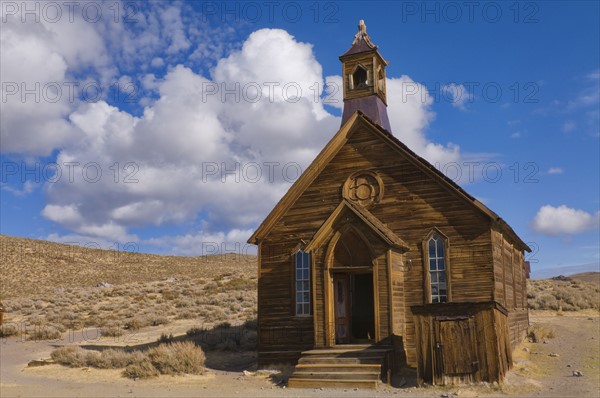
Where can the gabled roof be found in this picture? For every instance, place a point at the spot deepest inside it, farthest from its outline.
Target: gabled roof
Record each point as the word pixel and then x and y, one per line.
pixel 386 234
pixel 333 147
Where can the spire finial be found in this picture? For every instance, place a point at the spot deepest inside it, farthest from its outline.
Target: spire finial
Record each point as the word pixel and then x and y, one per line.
pixel 362 34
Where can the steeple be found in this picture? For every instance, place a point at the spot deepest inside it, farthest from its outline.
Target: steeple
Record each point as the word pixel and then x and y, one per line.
pixel 363 71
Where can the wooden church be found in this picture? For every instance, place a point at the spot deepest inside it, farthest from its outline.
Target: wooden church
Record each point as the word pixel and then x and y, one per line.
pixel 374 260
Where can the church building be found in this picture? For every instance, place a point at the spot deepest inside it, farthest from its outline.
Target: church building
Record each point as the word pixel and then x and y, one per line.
pixel 374 260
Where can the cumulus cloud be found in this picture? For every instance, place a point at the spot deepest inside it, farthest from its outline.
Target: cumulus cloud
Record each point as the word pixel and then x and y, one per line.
pixel 410 113
pixel 190 153
pixel 563 220
pixel 216 149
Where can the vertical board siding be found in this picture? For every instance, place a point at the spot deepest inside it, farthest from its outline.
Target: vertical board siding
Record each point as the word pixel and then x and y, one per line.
pixel 412 205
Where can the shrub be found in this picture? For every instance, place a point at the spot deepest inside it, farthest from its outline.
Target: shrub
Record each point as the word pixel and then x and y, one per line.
pixel 165 339
pixel 114 359
pixel 44 332
pixel 136 323
pixel 72 356
pixel 178 358
pixel 156 320
pixel 111 330
pixel 223 325
pixel 538 333
pixel 141 370
pixel 8 330
pixel 195 331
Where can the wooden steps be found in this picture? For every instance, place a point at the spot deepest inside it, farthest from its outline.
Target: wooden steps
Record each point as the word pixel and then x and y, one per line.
pixel 350 366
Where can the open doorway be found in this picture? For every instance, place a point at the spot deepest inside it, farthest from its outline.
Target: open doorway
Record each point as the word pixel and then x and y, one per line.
pixel 353 308
pixel 353 290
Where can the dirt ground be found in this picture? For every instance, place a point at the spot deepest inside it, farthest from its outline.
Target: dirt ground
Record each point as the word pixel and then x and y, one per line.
pixel 535 373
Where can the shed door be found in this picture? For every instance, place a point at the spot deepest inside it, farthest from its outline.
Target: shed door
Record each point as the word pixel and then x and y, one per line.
pixel 458 347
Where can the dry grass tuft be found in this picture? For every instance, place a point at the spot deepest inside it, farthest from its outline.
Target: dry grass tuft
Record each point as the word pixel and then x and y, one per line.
pixel 141 370
pixel 171 359
pixel 537 333
pixel 178 358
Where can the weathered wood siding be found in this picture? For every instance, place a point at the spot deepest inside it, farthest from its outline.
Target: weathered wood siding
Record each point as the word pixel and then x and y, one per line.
pixel 413 203
pixel 510 285
pixel 477 349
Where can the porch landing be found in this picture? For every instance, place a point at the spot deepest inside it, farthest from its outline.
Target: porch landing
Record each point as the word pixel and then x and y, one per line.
pixel 348 365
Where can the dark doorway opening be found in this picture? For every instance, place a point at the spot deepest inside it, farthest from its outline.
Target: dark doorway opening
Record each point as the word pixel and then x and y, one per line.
pixel 363 326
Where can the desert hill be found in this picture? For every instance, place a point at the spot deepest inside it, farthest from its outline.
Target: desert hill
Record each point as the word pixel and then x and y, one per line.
pixel 30 266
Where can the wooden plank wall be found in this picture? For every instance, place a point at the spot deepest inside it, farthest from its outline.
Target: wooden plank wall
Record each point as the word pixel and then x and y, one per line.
pixel 398 293
pixel 510 287
pixel 491 347
pixel 412 205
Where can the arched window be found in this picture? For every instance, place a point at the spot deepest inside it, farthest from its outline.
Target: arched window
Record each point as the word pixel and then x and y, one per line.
pixel 437 268
pixel 302 272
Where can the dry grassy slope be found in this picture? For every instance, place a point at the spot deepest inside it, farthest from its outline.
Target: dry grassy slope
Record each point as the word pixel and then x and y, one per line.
pixel 592 277
pixel 30 267
pixel 568 293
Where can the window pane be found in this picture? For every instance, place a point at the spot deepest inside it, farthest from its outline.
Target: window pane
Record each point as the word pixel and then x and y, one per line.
pixel 440 248
pixel 306 309
pixel 443 292
pixel 443 299
pixel 434 299
pixel 431 248
pixel 305 274
pixel 442 277
pixel 298 285
pixel 298 297
pixel 305 285
pixel 434 277
pixel 441 264
pixel 306 297
pixel 434 290
pixel 298 308
pixel 432 266
pixel 306 259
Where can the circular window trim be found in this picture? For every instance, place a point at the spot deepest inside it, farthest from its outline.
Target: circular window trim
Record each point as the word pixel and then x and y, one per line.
pixel 349 181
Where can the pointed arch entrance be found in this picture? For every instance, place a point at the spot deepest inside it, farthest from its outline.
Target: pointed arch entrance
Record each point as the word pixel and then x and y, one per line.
pixel 352 299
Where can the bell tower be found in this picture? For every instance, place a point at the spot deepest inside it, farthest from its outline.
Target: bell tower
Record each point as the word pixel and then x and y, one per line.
pixel 363 71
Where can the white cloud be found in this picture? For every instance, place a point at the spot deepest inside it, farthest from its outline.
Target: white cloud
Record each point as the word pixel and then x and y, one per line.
pixel 186 144
pixel 555 170
pixel 409 111
pixel 458 95
pixel 65 215
pixel 188 155
pixel 203 243
pixel 560 220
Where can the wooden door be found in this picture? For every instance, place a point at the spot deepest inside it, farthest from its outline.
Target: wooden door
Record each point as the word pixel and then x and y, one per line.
pixel 341 308
pixel 456 350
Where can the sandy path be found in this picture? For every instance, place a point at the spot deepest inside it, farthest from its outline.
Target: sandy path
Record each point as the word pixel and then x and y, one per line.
pixel 535 374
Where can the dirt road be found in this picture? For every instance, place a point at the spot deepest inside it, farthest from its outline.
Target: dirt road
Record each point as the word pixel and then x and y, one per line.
pixel 536 373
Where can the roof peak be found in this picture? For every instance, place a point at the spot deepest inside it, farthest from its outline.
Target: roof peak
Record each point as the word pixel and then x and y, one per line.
pixel 362 34
pixel 362 41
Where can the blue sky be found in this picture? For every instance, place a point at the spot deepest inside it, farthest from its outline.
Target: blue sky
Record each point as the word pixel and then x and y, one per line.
pixel 176 126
